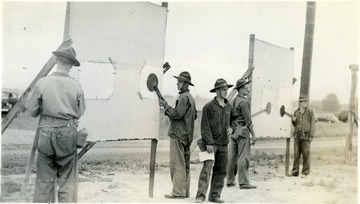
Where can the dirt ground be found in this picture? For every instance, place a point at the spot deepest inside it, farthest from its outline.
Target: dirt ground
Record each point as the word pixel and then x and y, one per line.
pixel 118 172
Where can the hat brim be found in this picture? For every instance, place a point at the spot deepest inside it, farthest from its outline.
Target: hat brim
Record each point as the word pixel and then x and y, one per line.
pixel 67 56
pixel 182 79
pixel 214 89
pixel 236 87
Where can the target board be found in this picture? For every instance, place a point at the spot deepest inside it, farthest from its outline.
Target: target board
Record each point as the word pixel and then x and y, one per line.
pixel 119 44
pixel 271 89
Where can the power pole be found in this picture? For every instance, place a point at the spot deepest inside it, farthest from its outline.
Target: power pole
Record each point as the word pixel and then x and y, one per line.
pixel 308 47
pixel 348 154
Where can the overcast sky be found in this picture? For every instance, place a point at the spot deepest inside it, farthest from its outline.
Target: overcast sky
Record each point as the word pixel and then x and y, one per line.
pixel 208 39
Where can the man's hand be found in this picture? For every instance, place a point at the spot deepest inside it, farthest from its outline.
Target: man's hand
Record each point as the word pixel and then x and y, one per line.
pixel 209 148
pixel 163 103
pixel 253 140
pixel 229 131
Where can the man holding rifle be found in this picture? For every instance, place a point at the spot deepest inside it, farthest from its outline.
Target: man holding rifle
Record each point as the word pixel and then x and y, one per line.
pixel 181 132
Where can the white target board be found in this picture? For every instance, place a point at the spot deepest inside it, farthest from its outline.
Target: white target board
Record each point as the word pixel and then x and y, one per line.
pixel 118 45
pixel 271 89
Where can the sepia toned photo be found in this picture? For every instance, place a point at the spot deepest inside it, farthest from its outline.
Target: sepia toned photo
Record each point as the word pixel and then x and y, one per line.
pixel 179 102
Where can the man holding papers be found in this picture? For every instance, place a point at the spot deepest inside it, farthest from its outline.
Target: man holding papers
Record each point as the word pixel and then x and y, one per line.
pixel 217 124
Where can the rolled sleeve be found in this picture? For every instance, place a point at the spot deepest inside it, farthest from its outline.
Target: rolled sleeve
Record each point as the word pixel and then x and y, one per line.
pixel 81 103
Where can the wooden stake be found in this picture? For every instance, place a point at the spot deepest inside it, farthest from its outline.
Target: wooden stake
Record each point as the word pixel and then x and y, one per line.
pixel 348 154
pixel 152 166
pixel 287 157
pixel 30 164
pixel 251 63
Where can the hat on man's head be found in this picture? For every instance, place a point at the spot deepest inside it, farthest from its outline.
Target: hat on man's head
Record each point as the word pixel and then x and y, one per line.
pixel 303 97
pixel 220 83
pixel 240 83
pixel 69 53
pixel 184 76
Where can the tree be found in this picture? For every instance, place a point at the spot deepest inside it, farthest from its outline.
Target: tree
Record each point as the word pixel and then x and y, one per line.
pixel 316 106
pixel 331 103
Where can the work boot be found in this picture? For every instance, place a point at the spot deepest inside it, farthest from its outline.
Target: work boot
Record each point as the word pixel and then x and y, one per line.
pixel 171 196
pixel 247 186
pixel 216 200
pixel 199 200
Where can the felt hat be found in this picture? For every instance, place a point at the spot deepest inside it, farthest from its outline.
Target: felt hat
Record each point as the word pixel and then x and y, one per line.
pixel 240 83
pixel 303 98
pixel 184 76
pixel 220 83
pixel 69 53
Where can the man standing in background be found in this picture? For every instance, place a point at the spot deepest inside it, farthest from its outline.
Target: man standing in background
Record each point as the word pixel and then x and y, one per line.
pixel 59 100
pixel 304 131
pixel 181 132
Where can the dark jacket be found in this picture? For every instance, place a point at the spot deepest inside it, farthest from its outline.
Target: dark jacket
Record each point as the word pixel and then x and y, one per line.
pixel 215 121
pixel 304 124
pixel 182 118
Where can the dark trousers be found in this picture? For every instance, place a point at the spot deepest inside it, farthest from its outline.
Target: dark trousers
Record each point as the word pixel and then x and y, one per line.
pixel 216 170
pixel 239 160
pixel 56 161
pixel 180 167
pixel 301 147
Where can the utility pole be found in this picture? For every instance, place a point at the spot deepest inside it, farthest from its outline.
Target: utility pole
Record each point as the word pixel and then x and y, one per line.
pixel 308 47
pixel 348 154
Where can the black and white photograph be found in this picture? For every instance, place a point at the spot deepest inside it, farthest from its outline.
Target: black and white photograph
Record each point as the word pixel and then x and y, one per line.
pixel 179 101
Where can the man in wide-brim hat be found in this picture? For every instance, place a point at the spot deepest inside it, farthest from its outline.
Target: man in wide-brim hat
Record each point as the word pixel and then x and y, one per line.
pixel 220 83
pixel 240 141
pixel 217 124
pixel 59 100
pixel 240 83
pixel 181 133
pixel 185 77
pixel 304 132
pixel 67 54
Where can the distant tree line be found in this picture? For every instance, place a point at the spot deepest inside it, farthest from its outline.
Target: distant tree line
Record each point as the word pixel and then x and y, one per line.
pixel 331 104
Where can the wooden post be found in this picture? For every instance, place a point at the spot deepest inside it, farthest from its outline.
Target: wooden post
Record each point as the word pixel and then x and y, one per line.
pixel 287 152
pixel 152 166
pixel 251 63
pixel 30 164
pixel 308 47
pixel 67 22
pixel 348 154
pixel 287 156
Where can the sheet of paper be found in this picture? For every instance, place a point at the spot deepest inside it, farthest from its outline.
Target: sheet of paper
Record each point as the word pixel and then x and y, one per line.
pixel 203 156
